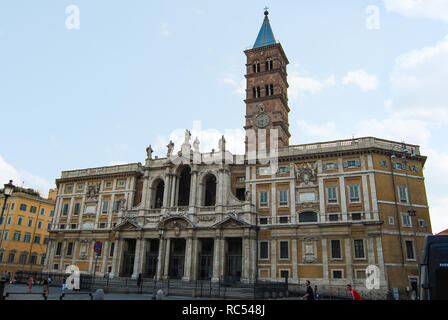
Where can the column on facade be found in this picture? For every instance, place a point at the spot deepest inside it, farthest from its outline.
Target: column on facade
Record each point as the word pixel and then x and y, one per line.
pixel 322 200
pixel 61 260
pixel 381 265
pixel 216 257
pixel 292 192
pixel 193 188
pixel 49 258
pixel 194 262
pixel 324 242
pixel 174 184
pixel 167 191
pixel 75 251
pixel 92 257
pixel 295 271
pixel 274 202
pixel 139 257
pixel 343 198
pixel 116 260
pixel 370 251
pixel 222 256
pixel 348 260
pixel 188 259
pixel 104 251
pixel 253 268
pixel 220 187
pixel 372 188
pixel 365 193
pixel 98 210
pixel 246 257
pixel 145 190
pixel 160 258
pixel 274 259
pixel 166 266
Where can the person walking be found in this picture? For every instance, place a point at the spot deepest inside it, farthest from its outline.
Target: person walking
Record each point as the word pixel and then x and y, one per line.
pixel 316 294
pixel 309 295
pixel 30 284
pixel 355 294
pixel 64 285
pixel 46 289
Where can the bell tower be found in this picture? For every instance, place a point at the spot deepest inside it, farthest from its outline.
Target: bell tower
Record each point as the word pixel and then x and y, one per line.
pixel 266 88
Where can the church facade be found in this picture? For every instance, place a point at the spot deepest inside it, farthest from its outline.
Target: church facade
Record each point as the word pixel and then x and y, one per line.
pixel 322 212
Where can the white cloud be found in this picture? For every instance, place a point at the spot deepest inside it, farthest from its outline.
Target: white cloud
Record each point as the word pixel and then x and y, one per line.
pixel 238 87
pixel 23 178
pixel 419 79
pixel 365 81
pixel 319 132
pixel 433 9
pixel 299 85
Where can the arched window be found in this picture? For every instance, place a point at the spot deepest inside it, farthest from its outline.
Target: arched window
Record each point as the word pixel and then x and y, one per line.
pixel 158 193
pixel 269 64
pixel 210 190
pixel 184 187
pixel 308 216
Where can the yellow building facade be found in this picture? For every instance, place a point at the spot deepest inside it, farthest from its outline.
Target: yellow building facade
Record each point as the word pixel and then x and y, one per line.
pixel 24 231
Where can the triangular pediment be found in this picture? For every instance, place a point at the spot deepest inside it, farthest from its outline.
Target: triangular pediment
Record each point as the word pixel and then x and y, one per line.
pixel 127 225
pixel 231 222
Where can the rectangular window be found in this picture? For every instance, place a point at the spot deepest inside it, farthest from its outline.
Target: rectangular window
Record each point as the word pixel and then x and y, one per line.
pixel 383 163
pixel 42 211
pixel 73 226
pixel 9 220
pixel 330 166
pixel 33 259
pixel 49 226
pixel 111 251
pixel 264 250
pixel 336 249
pixel 22 258
pixel 76 208
pixel 115 205
pixel 105 206
pixel 102 225
pixel 46 241
pixel 68 189
pixel 65 209
pixel 353 191
pixel 352 164
pixel 42 259
pixel 359 249
pixel 409 250
pixel 27 237
pixel 399 165
pixel 12 206
pixel 16 236
pixel 356 216
pixel 422 223
pixel 22 207
pixel 80 187
pixel 283 170
pixel 283 219
pixel 30 222
pixel 391 220
pixel 263 197
pixel 19 221
pixel 11 257
pixel 284 274
pixel 283 197
pixel 332 195
pixel 403 193
pixel 33 209
pixel 5 235
pixel 37 239
pixel 333 217
pixel 62 226
pixel 263 220
pixel 58 249
pixel 240 179
pixel 69 249
pixel 51 213
pixel 406 220
pixel 337 274
pixel 121 184
pixel 284 250
pixel 39 224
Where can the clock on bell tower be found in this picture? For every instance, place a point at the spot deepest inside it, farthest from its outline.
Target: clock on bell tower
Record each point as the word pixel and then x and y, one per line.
pixel 266 88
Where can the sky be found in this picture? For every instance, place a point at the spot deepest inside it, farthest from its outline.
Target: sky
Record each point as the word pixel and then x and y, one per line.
pixel 92 83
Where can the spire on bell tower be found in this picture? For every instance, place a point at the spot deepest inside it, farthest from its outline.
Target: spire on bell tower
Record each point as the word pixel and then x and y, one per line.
pixel 267 87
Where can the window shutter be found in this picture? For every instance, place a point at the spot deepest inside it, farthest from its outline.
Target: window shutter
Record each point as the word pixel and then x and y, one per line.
pixel 336 166
pixel 357 163
pixel 345 164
